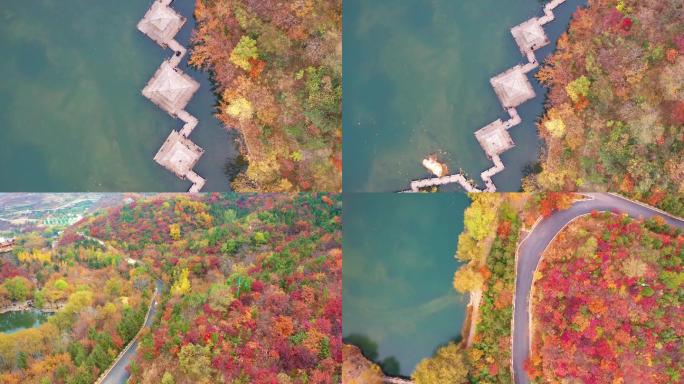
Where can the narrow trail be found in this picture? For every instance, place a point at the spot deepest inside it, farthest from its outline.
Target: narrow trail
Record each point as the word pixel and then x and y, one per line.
pixel 530 251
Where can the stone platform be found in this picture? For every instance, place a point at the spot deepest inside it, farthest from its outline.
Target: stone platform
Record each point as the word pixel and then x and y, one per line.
pixel 171 90
pixel 494 139
pixel 178 154
pixel 513 88
pixel 161 23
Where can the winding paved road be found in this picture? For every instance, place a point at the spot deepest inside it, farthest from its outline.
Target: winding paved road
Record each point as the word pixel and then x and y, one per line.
pixel 532 247
pixel 118 373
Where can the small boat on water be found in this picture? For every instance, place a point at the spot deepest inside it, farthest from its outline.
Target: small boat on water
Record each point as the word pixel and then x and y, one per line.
pixel 435 167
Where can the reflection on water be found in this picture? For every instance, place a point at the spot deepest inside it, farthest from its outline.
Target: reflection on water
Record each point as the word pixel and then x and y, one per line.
pixel 399 304
pixel 14 321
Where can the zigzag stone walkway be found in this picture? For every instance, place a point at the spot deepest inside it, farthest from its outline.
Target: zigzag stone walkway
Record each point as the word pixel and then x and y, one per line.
pixel 171 90
pixel 513 88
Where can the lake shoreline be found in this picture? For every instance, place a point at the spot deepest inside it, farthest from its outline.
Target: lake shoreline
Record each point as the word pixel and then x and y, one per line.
pixel 442 120
pixel 234 150
pixel 28 306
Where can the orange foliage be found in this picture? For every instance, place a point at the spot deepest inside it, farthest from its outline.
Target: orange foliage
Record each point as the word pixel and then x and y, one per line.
pixel 283 326
pixel 554 201
pixel 627 184
pixel 313 340
pixel 257 66
pixel 485 272
pixel 597 306
pixel 327 200
pixel 10 378
pixel 671 55
pixel 581 104
pixel 504 229
pixel 656 197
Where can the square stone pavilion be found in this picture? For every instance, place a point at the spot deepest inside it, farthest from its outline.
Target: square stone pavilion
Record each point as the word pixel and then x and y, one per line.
pixel 170 89
pixel 494 139
pixel 529 36
pixel 512 87
pixel 178 154
pixel 161 23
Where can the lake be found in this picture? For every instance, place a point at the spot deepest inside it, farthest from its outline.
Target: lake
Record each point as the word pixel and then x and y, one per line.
pixel 72 117
pixel 15 321
pixel 399 264
pixel 416 82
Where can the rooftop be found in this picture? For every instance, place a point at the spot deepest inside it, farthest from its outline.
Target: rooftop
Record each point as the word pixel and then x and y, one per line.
pixel 529 35
pixel 494 139
pixel 178 154
pixel 170 89
pixel 512 87
pixel 161 23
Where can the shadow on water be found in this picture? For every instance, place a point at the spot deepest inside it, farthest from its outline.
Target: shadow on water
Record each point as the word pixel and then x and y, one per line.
pixel 398 291
pixel 15 321
pixel 222 160
pixel 521 163
pixel 390 365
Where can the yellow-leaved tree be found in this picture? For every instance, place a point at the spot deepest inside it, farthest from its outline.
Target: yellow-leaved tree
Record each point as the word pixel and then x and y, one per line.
pixel 35 255
pixel 448 365
pixel 239 108
pixel 479 217
pixel 556 127
pixel 182 284
pixel 174 231
pixel 245 50
pixel 467 279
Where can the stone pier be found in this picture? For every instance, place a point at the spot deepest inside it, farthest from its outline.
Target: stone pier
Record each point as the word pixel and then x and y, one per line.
pixel 513 88
pixel 178 154
pixel 171 90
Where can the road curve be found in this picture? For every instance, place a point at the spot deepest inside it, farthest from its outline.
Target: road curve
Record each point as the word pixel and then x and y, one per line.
pixel 530 251
pixel 118 373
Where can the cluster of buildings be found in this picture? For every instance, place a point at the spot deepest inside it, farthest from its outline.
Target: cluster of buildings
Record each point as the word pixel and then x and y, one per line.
pixel 6 244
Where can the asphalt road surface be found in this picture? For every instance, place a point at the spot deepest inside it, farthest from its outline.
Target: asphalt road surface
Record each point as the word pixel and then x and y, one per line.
pixel 118 374
pixel 531 249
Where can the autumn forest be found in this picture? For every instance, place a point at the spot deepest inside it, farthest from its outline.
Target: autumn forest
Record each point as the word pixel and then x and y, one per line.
pixel 277 69
pixel 250 293
pixel 546 246
pixel 615 107
pixel 604 275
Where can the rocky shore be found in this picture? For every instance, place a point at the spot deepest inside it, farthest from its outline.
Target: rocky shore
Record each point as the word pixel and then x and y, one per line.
pixel 28 306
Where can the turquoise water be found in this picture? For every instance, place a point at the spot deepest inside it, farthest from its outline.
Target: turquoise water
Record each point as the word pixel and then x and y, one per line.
pixel 14 321
pixel 71 114
pixel 397 274
pixel 416 82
